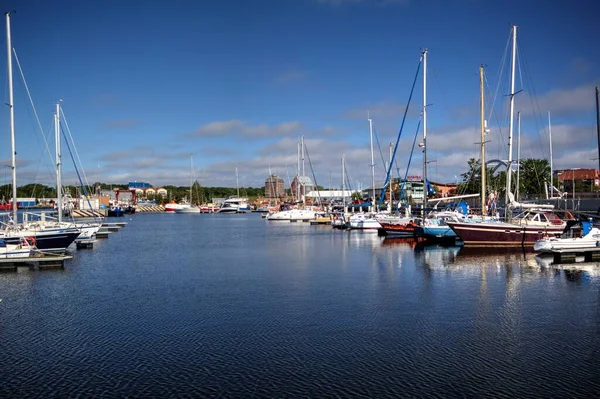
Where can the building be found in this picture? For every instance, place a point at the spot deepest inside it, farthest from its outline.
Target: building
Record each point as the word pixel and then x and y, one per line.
pixel 274 187
pixel 445 189
pixel 579 180
pixel 301 185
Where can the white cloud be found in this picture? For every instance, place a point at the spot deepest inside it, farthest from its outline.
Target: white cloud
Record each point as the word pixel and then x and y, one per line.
pixel 239 127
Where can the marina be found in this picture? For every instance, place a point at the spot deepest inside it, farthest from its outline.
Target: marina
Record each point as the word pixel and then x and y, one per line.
pixel 295 308
pixel 333 235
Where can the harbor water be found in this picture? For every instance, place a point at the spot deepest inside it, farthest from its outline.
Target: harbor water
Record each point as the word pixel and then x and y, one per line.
pixel 212 305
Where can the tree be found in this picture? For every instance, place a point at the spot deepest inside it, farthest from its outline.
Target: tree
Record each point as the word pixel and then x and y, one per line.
pixel 533 173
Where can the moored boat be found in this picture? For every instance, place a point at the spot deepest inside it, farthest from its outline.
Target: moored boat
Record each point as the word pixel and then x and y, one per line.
pixel 235 205
pixel 577 236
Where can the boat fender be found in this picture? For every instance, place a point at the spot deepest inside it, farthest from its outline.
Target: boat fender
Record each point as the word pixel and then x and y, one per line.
pixel 598 243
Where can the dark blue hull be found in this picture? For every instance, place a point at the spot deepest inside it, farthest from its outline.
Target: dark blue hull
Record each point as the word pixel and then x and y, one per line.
pixel 53 241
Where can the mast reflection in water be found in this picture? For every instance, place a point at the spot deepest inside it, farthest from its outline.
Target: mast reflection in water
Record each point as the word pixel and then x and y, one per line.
pixel 234 306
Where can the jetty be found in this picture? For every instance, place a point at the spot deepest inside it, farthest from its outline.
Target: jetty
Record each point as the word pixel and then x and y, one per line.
pixel 571 255
pixel 40 263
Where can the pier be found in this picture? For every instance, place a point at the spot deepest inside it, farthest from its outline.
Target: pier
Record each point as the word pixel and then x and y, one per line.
pixel 570 255
pixel 41 263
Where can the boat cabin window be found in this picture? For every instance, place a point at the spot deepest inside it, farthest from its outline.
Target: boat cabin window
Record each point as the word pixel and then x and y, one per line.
pixel 553 218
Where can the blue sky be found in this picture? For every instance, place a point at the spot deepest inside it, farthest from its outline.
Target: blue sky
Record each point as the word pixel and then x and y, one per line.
pixel 236 83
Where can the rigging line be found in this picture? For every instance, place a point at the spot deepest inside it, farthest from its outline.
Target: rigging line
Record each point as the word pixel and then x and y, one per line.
pixel 31 101
pixel 380 152
pixel 536 110
pixel 493 116
pixel 382 195
pixel 499 79
pixel 313 174
pixel 77 172
pixel 76 152
pixel 410 159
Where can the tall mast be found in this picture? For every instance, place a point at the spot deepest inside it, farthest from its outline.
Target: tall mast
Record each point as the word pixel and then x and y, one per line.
pixel 372 162
pixel 598 125
pixel 11 108
pixel 303 174
pixel 551 166
pixel 390 173
pixel 519 155
pixel 192 178
pixel 59 201
pixel 343 177
pixel 298 176
pixel 425 190
pixel 512 110
pixel 482 112
pixel 237 184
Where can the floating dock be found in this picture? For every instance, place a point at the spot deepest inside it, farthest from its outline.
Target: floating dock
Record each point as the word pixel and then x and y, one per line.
pixel 41 263
pixel 85 243
pixel 570 255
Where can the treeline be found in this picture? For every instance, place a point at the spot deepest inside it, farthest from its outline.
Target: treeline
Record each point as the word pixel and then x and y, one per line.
pixel 200 194
pixel 529 182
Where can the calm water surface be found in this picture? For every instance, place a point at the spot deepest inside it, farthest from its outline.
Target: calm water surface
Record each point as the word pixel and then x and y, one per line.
pixel 234 306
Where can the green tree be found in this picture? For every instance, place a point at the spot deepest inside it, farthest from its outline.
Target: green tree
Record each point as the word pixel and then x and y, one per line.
pixel 533 173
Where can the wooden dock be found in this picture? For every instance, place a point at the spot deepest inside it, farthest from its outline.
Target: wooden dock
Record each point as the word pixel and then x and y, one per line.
pixel 570 255
pixel 85 243
pixel 103 233
pixel 41 263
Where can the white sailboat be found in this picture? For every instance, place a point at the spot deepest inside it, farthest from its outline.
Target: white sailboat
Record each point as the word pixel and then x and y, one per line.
pixel 235 204
pixel 192 208
pixel 13 232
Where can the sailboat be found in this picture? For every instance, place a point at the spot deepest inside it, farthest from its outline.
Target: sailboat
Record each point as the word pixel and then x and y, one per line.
pixel 362 221
pixel 42 222
pixel 235 204
pixel 55 240
pixel 192 208
pixel 524 229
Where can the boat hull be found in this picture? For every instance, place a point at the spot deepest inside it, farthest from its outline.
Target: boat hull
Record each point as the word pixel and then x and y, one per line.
pixel 47 242
pixel 502 235
pixel 397 229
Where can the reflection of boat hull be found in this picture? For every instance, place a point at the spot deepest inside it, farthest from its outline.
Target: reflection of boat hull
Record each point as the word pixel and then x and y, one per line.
pixel 411 242
pixel 501 234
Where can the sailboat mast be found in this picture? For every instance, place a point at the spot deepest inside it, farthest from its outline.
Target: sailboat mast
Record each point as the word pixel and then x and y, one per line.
pixel 372 163
pixel 482 112
pixel 425 190
pixel 512 110
pixel 192 178
pixel 390 174
pixel 303 186
pixel 519 156
pixel 343 178
pixel 551 166
pixel 598 125
pixel 11 108
pixel 59 201
pixel 237 184
pixel 298 176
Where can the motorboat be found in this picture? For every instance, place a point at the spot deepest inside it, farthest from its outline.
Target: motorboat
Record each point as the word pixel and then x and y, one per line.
pixel 364 221
pixel 24 249
pixel 235 205
pixel 578 235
